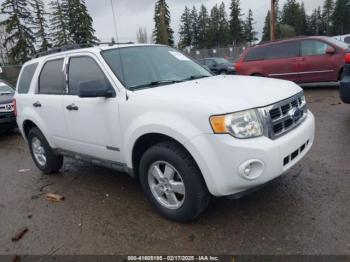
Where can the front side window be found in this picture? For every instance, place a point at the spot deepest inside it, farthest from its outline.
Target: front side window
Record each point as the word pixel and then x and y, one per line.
pixel 26 78
pixel 313 47
pixel 83 70
pixel 283 50
pixel 151 66
pixel 255 54
pixel 51 79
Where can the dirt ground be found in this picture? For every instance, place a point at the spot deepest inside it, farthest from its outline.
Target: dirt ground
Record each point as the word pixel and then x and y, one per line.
pixel 305 211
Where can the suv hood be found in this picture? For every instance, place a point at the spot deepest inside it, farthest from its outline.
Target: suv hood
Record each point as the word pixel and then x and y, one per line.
pixel 6 99
pixel 225 93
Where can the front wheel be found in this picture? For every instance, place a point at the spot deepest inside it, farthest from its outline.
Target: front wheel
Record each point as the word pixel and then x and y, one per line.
pixel 173 183
pixel 42 154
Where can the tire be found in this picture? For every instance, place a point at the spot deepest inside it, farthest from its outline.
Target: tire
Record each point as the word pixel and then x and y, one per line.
pixel 223 72
pixel 342 75
pixel 196 196
pixel 257 75
pixel 53 163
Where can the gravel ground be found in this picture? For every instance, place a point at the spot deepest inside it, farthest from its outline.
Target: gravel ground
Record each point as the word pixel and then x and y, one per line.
pixel 305 211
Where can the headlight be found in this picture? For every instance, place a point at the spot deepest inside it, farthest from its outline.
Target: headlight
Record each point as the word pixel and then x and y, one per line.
pixel 303 100
pixel 245 124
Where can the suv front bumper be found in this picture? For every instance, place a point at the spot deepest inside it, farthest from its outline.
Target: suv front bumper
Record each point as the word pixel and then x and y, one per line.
pixel 7 121
pixel 220 157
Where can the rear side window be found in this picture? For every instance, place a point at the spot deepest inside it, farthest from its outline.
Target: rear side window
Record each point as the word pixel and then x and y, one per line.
pixel 313 47
pixel 283 50
pixel 255 54
pixel 51 79
pixel 26 78
pixel 84 69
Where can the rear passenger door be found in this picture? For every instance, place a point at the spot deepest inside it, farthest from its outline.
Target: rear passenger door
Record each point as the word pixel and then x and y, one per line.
pixel 281 61
pixel 47 102
pixel 93 123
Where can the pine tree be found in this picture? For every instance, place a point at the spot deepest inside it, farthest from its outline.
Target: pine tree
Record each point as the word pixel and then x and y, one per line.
pixel 341 17
pixel 162 33
pixel 185 29
pixel 20 37
pixel 224 31
pixel 203 27
pixel 40 25
pixel 236 24
pixel 141 35
pixel 250 34
pixel 303 19
pixel 214 34
pixel 59 24
pixel 194 26
pixel 328 9
pixel 267 28
pixel 80 22
pixel 294 16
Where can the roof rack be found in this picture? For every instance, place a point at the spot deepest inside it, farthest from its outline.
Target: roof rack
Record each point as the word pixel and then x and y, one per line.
pixel 76 46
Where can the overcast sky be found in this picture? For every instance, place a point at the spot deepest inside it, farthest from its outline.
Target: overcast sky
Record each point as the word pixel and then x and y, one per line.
pixel 131 14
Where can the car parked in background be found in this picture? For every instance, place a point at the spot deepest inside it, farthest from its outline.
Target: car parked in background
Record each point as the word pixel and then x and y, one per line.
pixel 219 65
pixel 344 38
pixel 345 83
pixel 302 60
pixel 7 115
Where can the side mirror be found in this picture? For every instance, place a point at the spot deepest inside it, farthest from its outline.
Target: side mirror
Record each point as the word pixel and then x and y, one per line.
pixel 95 88
pixel 330 51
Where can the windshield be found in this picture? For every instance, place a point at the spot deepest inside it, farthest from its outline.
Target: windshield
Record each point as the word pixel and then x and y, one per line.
pixel 5 89
pixel 338 43
pixel 221 61
pixel 151 66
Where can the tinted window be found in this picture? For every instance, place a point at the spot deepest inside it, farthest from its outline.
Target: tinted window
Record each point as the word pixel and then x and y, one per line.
pixel 255 54
pixel 313 47
pixel 210 63
pixel 283 50
pixel 26 78
pixel 84 69
pixel 52 78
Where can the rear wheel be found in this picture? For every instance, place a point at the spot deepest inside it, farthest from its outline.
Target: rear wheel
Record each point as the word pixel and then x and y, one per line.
pixel 42 153
pixel 173 183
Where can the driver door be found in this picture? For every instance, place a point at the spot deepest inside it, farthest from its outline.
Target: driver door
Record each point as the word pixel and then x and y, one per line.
pixel 93 123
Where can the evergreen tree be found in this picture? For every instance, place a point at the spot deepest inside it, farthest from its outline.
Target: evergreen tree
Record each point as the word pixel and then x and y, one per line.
pixel 250 34
pixel 185 29
pixel 79 22
pixel 294 15
pixel 194 27
pixel 40 25
pixel 236 24
pixel 20 37
pixel 328 9
pixel 224 31
pixel 214 35
pixel 341 17
pixel 162 33
pixel 141 35
pixel 59 24
pixel 203 27
pixel 267 28
pixel 303 18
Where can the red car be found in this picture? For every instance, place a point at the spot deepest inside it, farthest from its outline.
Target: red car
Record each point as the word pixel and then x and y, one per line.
pixel 302 60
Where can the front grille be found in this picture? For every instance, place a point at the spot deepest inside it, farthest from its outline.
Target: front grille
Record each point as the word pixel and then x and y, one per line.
pixel 293 155
pixel 285 115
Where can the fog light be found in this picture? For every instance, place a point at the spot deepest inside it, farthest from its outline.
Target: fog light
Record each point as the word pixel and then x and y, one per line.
pixel 251 169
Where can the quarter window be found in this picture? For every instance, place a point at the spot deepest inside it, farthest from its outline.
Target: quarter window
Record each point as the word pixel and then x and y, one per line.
pixel 82 70
pixel 51 79
pixel 26 78
pixel 283 50
pixel 312 47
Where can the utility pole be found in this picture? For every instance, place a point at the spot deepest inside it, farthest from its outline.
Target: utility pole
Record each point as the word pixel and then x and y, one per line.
pixel 273 20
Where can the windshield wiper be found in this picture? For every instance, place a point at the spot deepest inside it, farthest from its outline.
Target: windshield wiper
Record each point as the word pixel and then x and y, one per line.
pixel 194 77
pixel 156 83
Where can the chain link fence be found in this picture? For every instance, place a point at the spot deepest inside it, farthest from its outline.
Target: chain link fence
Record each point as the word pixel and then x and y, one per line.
pixel 230 53
pixel 10 73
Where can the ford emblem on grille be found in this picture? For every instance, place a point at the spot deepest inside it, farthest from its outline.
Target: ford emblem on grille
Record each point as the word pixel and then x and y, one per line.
pixel 9 107
pixel 295 114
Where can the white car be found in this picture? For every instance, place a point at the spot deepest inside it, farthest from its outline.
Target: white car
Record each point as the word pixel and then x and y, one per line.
pixel 154 113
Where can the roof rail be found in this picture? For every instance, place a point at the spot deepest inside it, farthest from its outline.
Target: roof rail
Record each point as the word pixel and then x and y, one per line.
pixel 76 46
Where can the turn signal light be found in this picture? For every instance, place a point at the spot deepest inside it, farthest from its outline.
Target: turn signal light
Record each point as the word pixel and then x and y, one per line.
pixel 347 58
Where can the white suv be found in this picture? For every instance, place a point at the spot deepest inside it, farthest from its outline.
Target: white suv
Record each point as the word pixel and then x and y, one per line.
pixel 156 114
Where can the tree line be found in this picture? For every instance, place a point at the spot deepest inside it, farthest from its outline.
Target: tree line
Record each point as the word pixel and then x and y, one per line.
pixel 30 28
pixel 333 18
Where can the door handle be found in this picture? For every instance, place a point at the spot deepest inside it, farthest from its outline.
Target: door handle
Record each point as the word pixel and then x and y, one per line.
pixel 72 107
pixel 37 104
